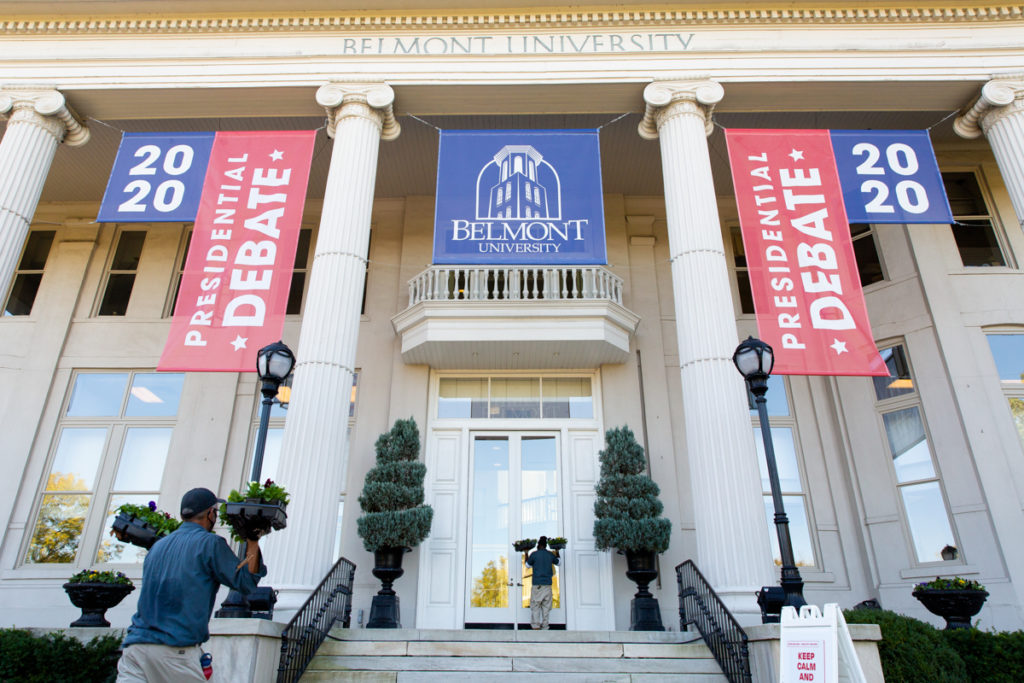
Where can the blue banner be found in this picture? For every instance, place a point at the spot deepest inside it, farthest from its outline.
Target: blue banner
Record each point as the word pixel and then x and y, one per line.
pixel 519 197
pixel 890 176
pixel 157 177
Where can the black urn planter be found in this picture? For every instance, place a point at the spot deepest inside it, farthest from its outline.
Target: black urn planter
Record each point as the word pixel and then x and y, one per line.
pixel 252 519
pixel 644 612
pixel 955 606
pixel 94 599
pixel 134 530
pixel 387 566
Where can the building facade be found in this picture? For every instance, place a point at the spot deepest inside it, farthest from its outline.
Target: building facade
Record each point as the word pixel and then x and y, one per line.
pixel 513 374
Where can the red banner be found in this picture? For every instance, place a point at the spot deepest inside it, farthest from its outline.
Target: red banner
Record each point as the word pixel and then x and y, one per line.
pixel 234 290
pixel 803 273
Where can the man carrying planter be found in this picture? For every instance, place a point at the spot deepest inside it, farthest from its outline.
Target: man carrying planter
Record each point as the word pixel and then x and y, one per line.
pixel 180 578
pixel 543 561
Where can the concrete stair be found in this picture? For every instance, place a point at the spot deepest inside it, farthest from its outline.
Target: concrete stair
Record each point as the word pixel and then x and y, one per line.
pixel 415 656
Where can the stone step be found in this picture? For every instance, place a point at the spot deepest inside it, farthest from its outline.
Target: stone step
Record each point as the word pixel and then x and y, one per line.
pixel 429 655
pixel 500 677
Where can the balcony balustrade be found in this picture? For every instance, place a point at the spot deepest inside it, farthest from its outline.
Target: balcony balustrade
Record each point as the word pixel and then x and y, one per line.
pixel 515 317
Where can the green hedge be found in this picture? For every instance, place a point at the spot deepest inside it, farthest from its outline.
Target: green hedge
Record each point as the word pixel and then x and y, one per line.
pixel 57 658
pixel 915 652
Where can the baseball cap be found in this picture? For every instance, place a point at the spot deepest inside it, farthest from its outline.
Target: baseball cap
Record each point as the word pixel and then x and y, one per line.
pixel 197 500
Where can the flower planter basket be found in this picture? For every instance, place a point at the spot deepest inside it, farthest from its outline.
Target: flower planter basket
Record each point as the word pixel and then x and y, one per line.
pixel 94 599
pixel 252 519
pixel 556 545
pixel 955 606
pixel 524 545
pixel 133 530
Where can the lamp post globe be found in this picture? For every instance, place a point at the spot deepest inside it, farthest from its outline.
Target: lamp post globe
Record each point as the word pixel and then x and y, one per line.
pixel 755 360
pixel 274 362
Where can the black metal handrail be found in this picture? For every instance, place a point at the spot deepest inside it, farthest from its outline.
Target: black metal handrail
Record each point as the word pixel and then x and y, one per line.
pixel 306 632
pixel 700 605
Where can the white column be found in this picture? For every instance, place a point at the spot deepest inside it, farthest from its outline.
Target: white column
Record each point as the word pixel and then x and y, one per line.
pixel 733 548
pixel 999 114
pixel 314 448
pixel 37 121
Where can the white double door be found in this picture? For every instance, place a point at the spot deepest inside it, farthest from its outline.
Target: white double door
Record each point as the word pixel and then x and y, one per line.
pixel 515 493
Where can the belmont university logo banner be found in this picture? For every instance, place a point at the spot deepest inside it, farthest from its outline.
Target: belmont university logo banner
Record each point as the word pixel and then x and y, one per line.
pixel 519 197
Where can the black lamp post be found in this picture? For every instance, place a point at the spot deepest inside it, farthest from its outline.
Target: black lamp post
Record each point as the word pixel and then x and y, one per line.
pixel 274 363
pixel 754 359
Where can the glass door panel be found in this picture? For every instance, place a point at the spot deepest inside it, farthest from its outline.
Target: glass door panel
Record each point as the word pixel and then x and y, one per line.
pixel 515 494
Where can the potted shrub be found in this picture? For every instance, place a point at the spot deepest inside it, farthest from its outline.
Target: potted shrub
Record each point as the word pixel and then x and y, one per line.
pixel 627 518
pixel 142 525
pixel 94 593
pixel 956 600
pixel 394 520
pixel 256 511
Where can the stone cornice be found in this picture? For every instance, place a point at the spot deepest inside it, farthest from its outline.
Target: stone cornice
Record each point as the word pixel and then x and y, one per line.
pixel 513 20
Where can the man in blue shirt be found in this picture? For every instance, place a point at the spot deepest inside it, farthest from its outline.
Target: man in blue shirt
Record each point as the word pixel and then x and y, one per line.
pixel 543 561
pixel 180 579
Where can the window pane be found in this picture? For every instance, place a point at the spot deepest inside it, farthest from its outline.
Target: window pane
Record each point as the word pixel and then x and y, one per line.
pixel 775 398
pixel 785 459
pixel 271 453
pixel 462 398
pixel 59 528
pixel 869 266
pixel 899 381
pixel 23 293
pixel 964 193
pixel 37 249
pixel 142 459
pixel 1008 352
pixel 490 523
pixel 294 306
pixel 97 394
pixel 911 456
pixel 118 293
pixel 976 240
pixel 1017 409
pixel 302 249
pixel 78 457
pixel 515 398
pixel 129 249
pixel 113 550
pixel 929 523
pixel 155 394
pixel 746 294
pixel 799 530
pixel 568 398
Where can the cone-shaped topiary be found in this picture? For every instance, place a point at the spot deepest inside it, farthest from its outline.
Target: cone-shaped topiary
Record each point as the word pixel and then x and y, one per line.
pixel 392 500
pixel 627 505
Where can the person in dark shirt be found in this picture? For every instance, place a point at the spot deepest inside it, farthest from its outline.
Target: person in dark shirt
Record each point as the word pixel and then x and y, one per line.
pixel 543 561
pixel 180 579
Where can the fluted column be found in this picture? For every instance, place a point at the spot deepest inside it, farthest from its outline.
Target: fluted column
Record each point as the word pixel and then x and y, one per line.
pixel 999 114
pixel 733 548
pixel 314 448
pixel 37 121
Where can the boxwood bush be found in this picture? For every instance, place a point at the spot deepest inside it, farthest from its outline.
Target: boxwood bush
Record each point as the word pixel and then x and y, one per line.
pixel 915 652
pixel 57 658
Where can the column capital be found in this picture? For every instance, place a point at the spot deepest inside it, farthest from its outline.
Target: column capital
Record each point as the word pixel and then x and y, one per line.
pixel 666 99
pixel 48 103
pixel 1002 96
pixel 371 100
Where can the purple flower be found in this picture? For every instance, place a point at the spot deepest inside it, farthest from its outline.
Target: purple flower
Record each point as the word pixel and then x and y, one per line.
pixel 152 505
